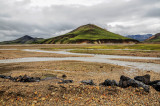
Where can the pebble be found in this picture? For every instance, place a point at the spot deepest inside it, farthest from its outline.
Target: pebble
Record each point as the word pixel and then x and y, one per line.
pixel 141 88
pixel 43 98
pixel 35 93
pixel 34 101
pixel 53 93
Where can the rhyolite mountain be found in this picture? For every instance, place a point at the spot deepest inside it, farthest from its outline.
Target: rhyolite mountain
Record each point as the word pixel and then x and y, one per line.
pixel 89 34
pixel 139 37
pixel 23 40
pixel 154 39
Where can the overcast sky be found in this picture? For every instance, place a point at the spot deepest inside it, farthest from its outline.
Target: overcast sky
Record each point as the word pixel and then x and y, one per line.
pixel 49 18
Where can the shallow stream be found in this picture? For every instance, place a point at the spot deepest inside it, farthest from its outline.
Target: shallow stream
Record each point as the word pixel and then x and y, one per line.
pixel 93 58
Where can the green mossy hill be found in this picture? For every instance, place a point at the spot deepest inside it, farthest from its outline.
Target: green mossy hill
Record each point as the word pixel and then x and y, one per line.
pixel 154 39
pixel 88 34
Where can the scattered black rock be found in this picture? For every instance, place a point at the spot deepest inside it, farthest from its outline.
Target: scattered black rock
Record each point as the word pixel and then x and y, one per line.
pixel 155 84
pixel 24 78
pixel 144 86
pixel 7 77
pixel 126 82
pixel 145 79
pixel 108 82
pixel 2 76
pixel 138 81
pixel 88 82
pixel 101 66
pixel 65 81
pixel 1 93
pixel 64 76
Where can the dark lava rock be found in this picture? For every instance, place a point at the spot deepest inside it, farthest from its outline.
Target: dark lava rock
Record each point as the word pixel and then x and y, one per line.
pixel 144 86
pixel 64 76
pixel 101 66
pixel 65 81
pixel 7 77
pixel 88 82
pixel 145 79
pixel 25 78
pixel 108 82
pixel 2 76
pixel 155 84
pixel 126 82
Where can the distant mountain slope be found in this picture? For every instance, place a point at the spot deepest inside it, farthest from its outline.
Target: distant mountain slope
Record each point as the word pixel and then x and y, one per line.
pixel 23 40
pixel 139 37
pixel 155 38
pixel 88 34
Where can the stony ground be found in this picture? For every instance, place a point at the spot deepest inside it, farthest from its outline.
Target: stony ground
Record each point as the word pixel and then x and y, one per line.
pixel 49 92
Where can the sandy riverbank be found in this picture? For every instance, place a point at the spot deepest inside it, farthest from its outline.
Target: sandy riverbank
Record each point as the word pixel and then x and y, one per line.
pixel 140 60
pixel 13 54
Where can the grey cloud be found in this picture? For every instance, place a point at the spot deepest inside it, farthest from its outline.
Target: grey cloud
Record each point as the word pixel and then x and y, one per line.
pixel 19 18
pixel 155 12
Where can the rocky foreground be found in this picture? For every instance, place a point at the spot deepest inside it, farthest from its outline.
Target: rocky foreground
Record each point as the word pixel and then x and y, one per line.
pixel 51 90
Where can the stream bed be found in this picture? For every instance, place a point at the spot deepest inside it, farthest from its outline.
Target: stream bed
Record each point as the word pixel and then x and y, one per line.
pixel 92 58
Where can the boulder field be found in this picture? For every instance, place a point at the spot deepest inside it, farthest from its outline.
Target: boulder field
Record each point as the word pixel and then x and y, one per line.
pixel 142 82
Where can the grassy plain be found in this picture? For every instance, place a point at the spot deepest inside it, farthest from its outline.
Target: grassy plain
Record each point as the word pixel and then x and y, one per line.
pixel 145 50
pixel 121 52
pixel 84 46
pixel 125 46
